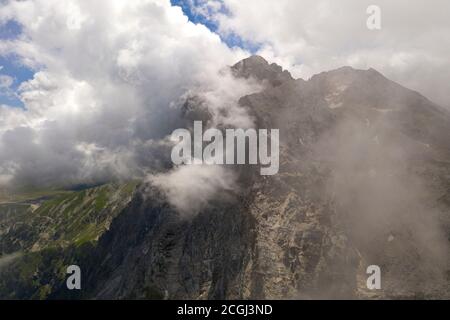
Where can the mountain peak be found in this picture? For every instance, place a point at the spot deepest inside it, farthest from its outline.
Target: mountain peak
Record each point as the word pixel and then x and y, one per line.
pixel 257 67
pixel 255 59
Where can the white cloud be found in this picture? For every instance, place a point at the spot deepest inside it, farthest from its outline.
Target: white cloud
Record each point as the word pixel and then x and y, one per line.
pixel 5 81
pixel 107 74
pixel 189 188
pixel 311 36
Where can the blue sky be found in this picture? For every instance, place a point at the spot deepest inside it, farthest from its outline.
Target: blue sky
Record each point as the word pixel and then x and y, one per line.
pixel 11 66
pixel 232 40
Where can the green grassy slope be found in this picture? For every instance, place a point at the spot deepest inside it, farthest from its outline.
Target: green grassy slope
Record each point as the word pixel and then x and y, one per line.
pixel 39 240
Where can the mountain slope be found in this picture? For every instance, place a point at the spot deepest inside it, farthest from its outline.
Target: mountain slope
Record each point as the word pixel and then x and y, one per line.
pixel 40 238
pixel 364 179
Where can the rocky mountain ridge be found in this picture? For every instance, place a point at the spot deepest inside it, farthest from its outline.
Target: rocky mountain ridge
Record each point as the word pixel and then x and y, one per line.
pixel 364 179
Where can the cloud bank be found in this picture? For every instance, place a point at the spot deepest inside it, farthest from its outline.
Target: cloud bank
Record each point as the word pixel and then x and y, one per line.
pixel 110 76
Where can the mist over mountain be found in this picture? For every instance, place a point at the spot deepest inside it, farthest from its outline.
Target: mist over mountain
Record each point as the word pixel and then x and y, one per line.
pixel 364 180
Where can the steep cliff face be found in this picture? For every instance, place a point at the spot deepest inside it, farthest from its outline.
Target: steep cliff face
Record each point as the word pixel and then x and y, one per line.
pixel 363 180
pixel 167 255
pixel 364 174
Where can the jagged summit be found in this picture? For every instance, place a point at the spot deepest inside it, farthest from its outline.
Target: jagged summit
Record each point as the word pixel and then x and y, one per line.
pixel 257 67
pixel 348 72
pixel 364 87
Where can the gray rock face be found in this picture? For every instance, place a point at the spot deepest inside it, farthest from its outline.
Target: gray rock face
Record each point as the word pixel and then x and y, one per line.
pixel 153 252
pixel 258 68
pixel 364 176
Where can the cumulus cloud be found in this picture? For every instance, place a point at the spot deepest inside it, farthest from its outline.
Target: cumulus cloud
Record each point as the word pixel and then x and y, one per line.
pixel 190 188
pixel 6 82
pixel 109 79
pixel 310 36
